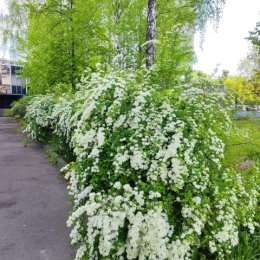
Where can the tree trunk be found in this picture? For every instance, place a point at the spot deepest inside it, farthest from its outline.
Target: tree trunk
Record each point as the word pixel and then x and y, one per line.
pixel 73 58
pixel 150 36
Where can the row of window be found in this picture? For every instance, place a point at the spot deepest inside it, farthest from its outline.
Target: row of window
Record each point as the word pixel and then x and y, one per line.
pixel 15 70
pixel 19 90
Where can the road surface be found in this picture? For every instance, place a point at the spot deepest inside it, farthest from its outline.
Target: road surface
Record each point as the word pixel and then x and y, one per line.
pixel 33 202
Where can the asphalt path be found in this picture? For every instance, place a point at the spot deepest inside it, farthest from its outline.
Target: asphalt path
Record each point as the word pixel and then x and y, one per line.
pixel 33 202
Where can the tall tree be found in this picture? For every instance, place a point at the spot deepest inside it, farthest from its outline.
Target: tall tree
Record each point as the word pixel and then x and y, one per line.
pixel 151 32
pixel 243 90
pixel 73 44
pixel 254 36
pixel 62 37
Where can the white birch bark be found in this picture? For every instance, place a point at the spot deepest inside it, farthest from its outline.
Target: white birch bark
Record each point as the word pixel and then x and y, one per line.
pixel 150 36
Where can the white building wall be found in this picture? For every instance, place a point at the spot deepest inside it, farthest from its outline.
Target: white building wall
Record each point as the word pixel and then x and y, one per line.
pixel 8 77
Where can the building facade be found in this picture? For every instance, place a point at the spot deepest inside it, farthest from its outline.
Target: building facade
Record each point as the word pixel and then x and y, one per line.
pixel 10 78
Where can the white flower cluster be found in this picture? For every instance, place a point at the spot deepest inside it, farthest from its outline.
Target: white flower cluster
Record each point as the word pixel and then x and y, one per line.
pixel 61 115
pixel 149 231
pixel 39 114
pixel 148 180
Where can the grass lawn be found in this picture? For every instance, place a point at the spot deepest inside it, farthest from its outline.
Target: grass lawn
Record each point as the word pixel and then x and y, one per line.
pixel 7 112
pixel 244 144
pixel 243 149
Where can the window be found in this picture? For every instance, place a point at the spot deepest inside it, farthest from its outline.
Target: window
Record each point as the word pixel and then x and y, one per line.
pixel 24 91
pixel 16 70
pixel 5 70
pixel 13 70
pixel 14 90
pixel 19 90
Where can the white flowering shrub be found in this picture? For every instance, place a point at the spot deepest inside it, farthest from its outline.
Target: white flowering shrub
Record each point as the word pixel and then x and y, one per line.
pixel 38 115
pixel 48 120
pixel 148 181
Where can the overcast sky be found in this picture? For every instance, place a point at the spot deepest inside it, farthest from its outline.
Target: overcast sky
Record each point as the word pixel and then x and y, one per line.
pixel 2 5
pixel 2 9
pixel 228 45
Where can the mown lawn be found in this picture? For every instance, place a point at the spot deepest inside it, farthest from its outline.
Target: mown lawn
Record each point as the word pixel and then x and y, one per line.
pixel 243 153
pixel 244 145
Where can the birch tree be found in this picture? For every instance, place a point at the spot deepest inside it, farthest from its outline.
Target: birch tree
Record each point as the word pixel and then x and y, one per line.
pixel 151 32
pixel 60 38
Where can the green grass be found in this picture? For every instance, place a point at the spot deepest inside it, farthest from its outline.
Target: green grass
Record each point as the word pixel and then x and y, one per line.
pixel 51 155
pixel 248 248
pixel 8 112
pixel 244 145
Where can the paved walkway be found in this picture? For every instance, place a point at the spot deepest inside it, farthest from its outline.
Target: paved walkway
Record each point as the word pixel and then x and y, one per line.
pixel 33 202
pixel 244 114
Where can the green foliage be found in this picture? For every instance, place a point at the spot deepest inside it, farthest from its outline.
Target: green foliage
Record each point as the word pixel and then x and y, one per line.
pixel 57 143
pixel 19 107
pixel 7 113
pixel 57 39
pixel 51 155
pixel 57 146
pixel 255 35
pixel 252 62
pixel 243 154
pixel 248 248
pixel 243 144
pixel 149 169
pixel 242 89
pixel 202 80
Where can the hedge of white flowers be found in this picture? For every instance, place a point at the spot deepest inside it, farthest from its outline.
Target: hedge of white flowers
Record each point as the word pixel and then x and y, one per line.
pixel 148 181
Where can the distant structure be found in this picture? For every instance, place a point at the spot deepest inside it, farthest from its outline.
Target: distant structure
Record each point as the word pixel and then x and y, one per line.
pixel 11 82
pixel 12 86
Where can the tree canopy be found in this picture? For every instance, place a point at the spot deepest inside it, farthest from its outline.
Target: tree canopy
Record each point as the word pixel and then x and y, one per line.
pixel 255 35
pixel 58 39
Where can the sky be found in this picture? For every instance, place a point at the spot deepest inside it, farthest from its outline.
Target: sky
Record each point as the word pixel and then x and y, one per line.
pixel 3 9
pixel 228 45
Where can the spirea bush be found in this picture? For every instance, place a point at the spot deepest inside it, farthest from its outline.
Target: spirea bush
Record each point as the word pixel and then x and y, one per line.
pixel 148 181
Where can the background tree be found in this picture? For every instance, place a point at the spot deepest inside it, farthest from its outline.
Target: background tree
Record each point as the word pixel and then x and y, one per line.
pixel 249 67
pixel 242 89
pixel 151 32
pixel 60 38
pixel 224 75
pixel 254 36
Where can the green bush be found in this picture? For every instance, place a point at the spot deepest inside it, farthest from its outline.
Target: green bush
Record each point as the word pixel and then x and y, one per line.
pixel 149 179
pixel 49 123
pixel 7 112
pixel 19 107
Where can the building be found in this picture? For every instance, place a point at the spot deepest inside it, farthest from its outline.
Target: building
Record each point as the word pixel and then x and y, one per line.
pixel 11 82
